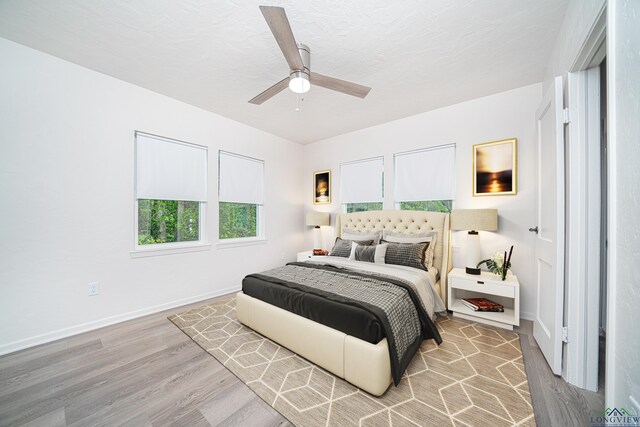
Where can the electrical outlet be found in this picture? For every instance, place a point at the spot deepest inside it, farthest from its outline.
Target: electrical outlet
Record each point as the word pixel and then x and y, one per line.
pixel 93 289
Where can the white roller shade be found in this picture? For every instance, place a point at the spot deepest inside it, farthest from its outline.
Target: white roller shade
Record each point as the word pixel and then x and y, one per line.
pixel 426 174
pixel 240 179
pixel 361 181
pixel 167 169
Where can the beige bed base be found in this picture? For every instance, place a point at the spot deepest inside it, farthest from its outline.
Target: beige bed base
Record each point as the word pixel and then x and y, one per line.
pixel 363 364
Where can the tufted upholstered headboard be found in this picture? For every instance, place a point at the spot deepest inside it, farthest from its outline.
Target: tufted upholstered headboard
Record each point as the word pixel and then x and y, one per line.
pixel 407 222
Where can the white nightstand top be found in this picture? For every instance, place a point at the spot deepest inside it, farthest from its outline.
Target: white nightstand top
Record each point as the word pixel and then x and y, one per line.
pixel 303 256
pixel 487 276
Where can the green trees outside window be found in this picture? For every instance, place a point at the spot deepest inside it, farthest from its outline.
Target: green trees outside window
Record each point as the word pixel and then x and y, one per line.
pixel 238 220
pixel 427 205
pixel 167 221
pixel 361 207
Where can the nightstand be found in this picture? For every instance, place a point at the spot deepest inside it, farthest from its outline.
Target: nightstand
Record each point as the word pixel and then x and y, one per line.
pixel 303 256
pixel 487 285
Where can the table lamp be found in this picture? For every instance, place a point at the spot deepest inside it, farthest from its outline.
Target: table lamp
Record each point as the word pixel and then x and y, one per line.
pixel 474 220
pixel 317 219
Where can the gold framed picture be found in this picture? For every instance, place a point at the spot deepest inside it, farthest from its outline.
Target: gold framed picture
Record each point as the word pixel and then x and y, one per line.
pixel 495 168
pixel 322 187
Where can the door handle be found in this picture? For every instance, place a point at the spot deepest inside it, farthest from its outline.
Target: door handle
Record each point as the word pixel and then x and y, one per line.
pixel 534 229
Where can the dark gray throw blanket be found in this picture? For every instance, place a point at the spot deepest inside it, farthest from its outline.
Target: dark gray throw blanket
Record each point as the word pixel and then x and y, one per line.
pixel 393 301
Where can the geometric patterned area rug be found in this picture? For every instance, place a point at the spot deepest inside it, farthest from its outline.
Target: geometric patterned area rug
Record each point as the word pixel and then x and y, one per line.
pixel 476 377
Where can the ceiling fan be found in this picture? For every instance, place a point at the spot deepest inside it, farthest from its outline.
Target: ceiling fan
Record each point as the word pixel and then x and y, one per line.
pixel 298 56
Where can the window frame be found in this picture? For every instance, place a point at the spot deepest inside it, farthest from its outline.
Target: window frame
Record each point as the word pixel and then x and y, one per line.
pixel 396 203
pixel 345 209
pixel 343 206
pixel 260 209
pixel 168 248
pixel 172 247
pixel 260 236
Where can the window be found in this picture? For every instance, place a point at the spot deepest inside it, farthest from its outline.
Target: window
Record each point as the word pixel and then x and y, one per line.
pixel 171 191
pixel 361 207
pixel 165 221
pixel 425 179
pixel 238 220
pixel 362 185
pixel 428 205
pixel 240 196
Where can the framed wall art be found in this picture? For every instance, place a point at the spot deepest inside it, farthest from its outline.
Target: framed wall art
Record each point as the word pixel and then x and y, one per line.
pixel 495 168
pixel 321 187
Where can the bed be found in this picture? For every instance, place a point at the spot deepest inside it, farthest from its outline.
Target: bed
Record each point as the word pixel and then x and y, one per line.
pixel 361 360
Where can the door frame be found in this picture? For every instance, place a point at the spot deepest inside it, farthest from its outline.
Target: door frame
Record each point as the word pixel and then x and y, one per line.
pixel 583 218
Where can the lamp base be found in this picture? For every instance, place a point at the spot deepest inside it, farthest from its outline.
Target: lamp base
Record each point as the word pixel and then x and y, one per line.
pixel 474 271
pixel 473 253
pixel 317 238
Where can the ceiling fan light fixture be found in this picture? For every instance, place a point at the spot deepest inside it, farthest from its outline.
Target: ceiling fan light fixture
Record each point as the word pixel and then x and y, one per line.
pixel 299 82
pixel 298 57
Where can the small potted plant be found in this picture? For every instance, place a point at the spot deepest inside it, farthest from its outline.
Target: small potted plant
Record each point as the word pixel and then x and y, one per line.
pixel 499 263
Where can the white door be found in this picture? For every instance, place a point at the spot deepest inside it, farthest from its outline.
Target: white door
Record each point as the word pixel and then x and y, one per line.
pixel 549 246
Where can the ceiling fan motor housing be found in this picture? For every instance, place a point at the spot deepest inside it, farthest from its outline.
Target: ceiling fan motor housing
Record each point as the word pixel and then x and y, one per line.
pixel 299 79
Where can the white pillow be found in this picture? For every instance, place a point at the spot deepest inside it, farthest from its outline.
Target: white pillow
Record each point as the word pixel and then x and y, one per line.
pixel 379 256
pixel 348 234
pixel 429 236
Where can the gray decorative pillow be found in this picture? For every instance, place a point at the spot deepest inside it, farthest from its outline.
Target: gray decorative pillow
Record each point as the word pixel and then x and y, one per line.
pixel 365 253
pixel 342 247
pixel 409 254
pixel 429 236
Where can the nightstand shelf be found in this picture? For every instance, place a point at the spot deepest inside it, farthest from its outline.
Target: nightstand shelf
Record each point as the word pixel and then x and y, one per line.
pixel 487 285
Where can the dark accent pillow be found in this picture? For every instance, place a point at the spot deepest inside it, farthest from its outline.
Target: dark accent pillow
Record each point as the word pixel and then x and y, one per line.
pixel 409 254
pixel 342 248
pixel 366 253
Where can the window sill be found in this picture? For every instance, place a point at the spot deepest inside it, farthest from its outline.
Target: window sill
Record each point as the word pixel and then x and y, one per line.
pixel 235 243
pixel 170 250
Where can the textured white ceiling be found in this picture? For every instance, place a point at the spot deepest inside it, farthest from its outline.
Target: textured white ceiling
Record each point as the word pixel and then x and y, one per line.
pixel 417 55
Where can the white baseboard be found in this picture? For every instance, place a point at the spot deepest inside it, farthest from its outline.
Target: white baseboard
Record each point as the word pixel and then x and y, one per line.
pixel 107 321
pixel 527 316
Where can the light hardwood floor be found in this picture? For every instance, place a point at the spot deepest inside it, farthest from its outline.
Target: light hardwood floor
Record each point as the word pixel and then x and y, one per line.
pixel 555 402
pixel 147 372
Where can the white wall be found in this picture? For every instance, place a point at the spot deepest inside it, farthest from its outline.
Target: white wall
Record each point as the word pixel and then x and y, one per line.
pixel 67 200
pixel 623 345
pixel 579 19
pixel 504 115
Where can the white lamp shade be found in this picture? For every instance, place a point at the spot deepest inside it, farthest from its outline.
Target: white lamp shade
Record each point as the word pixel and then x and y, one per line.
pixel 317 219
pixel 474 219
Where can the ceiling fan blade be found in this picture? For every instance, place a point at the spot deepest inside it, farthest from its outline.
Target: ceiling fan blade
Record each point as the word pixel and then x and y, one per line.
pixel 343 86
pixel 272 91
pixel 279 24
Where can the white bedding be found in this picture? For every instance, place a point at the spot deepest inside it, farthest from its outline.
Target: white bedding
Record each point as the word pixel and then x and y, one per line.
pixel 424 281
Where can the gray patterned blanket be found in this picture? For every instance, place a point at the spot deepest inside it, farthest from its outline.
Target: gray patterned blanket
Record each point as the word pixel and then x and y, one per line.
pixel 394 302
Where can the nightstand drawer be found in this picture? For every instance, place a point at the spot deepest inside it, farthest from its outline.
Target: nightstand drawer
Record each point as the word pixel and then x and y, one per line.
pixel 482 285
